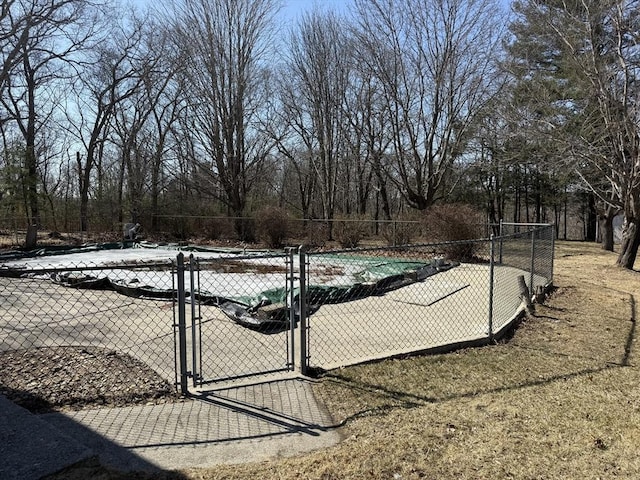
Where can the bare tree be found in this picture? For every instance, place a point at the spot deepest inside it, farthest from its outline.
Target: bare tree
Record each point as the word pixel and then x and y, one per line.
pixel 113 75
pixel 317 79
pixel 142 122
pixel 225 44
pixel 435 61
pixel 367 139
pixel 19 19
pixel 297 162
pixel 47 41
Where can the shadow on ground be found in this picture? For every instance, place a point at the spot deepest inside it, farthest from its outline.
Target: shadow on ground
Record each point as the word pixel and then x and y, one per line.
pixel 55 446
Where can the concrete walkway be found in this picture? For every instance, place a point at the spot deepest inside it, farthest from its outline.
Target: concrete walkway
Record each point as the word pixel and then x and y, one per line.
pixel 30 447
pixel 257 421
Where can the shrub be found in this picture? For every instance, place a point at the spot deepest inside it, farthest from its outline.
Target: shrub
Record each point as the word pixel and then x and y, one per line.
pixel 401 231
pixel 245 229
pixel 315 234
pixel 273 226
pixel 453 223
pixel 217 228
pixel 181 228
pixel 348 232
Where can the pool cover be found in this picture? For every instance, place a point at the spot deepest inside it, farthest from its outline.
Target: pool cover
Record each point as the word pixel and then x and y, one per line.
pixel 365 277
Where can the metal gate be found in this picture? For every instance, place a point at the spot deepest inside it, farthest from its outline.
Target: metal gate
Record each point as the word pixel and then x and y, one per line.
pixel 235 316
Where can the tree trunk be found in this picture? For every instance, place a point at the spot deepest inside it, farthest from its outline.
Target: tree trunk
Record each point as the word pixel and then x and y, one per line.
pixel 155 193
pixel 537 195
pixel 630 243
pixel 84 210
pixel 85 182
pixel 31 162
pixel 244 227
pixel 564 236
pixel 630 233
pixel 382 189
pixel 84 194
pixel 592 218
pixel 120 200
pixel 605 222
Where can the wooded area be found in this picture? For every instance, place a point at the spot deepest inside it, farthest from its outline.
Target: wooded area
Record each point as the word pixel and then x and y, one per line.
pixel 215 109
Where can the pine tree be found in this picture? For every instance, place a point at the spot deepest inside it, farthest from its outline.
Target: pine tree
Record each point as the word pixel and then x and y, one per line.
pixel 575 65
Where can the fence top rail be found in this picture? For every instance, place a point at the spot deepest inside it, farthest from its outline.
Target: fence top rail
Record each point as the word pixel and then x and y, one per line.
pixel 398 247
pixel 527 224
pixel 507 236
pixel 8 270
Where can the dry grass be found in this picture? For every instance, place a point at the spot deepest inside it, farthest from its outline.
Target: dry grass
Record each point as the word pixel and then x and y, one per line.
pixel 559 400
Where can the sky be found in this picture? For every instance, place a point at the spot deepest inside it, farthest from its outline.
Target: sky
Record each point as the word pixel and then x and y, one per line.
pixel 291 8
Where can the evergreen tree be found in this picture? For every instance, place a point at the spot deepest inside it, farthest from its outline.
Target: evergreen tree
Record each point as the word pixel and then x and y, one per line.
pixel 575 66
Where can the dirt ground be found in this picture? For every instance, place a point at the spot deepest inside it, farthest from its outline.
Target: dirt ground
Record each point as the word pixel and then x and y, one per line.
pixel 62 378
pixel 559 399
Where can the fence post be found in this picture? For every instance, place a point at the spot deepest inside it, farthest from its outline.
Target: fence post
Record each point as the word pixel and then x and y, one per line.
pixel 182 325
pixel 491 277
pixel 533 257
pixel 192 296
pixel 292 307
pixel 302 321
pixel 501 233
pixel 553 255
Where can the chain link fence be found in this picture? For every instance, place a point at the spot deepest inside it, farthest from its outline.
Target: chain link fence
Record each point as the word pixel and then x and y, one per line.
pixel 126 309
pixel 237 312
pixel 529 247
pixel 405 300
pixel 420 297
pixel 208 318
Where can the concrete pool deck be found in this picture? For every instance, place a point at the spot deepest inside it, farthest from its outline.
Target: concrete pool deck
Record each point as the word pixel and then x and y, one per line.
pixel 448 308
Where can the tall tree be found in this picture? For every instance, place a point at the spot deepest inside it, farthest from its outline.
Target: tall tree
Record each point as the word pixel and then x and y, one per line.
pixel 143 121
pixel 115 72
pixel 48 41
pixel 317 82
pixel 435 61
pixel 367 140
pixel 578 61
pixel 226 44
pixel 18 20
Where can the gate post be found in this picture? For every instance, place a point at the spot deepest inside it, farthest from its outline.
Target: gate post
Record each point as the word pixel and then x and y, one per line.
pixel 302 322
pixel 291 277
pixel 182 325
pixel 194 317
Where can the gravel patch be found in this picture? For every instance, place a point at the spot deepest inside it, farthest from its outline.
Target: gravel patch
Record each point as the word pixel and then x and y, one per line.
pixel 73 378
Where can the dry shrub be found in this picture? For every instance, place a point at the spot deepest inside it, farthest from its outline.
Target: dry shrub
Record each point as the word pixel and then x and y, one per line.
pixel 349 232
pixel 453 223
pixel 217 228
pixel 181 228
pixel 315 234
pixel 401 231
pixel 273 226
pixel 245 229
